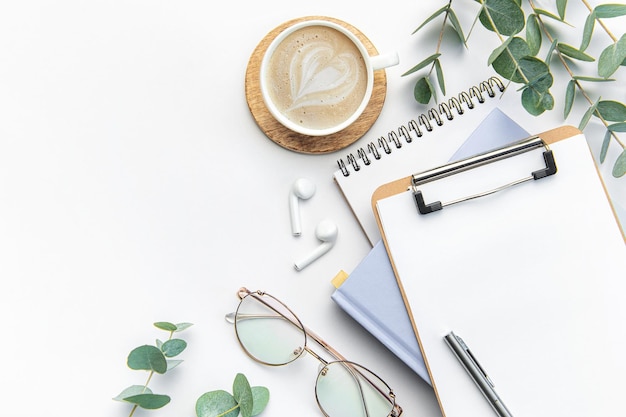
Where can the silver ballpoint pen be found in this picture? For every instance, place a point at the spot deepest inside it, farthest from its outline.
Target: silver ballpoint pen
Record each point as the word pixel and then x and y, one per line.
pixel 477 373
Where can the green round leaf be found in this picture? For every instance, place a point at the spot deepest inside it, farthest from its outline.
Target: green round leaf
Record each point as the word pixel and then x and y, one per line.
pixel 260 397
pixel 536 103
pixel 148 358
pixel 423 91
pixel 536 72
pixel 149 401
pixel 612 111
pixel 216 403
pixel 506 15
pixel 243 394
pixel 506 64
pixel 165 325
pixel 173 347
pixel 619 169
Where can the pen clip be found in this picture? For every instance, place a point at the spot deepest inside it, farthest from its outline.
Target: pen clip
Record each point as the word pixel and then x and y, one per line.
pixel 474 360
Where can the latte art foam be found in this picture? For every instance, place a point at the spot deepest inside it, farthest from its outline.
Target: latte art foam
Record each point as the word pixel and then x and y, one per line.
pixel 318 77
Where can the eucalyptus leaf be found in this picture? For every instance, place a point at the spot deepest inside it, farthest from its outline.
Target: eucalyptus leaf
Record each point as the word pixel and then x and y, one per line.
pixel 550 50
pixel 592 79
pixel 537 73
pixel 506 15
pixel 440 79
pixel 605 146
pixel 612 57
pixel 506 64
pixel 587 116
pixel 173 363
pixel 456 25
pixel 173 347
pixel 572 52
pixel 132 390
pixel 619 169
pixel 548 14
pixel 422 64
pixel 612 111
pixel 536 102
pixel 149 401
pixel 432 17
pixel 183 326
pixel 243 394
pixel 617 127
pixel 533 34
pixel 217 403
pixel 423 90
pixel 606 11
pixel 561 6
pixel 588 31
pixel 498 51
pixel 148 358
pixel 164 325
pixel 260 397
pixel 570 92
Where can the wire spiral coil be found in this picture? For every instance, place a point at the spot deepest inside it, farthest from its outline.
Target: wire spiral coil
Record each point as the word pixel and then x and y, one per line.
pixel 416 128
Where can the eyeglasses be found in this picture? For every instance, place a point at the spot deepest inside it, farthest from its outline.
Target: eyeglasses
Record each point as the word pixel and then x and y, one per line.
pixel 270 333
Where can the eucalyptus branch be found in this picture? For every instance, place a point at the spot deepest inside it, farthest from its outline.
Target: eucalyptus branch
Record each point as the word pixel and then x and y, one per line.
pixel 606 29
pixel 503 41
pixel 515 59
pixel 424 90
pixel 153 359
pixel 567 68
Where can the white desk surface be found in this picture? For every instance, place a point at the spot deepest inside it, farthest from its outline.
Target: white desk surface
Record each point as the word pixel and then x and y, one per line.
pixel 136 187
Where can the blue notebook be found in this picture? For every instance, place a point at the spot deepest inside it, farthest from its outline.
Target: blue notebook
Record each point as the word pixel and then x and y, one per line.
pixel 370 294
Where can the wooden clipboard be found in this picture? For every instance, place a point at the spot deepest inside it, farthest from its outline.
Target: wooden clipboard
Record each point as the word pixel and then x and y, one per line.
pixel 399 187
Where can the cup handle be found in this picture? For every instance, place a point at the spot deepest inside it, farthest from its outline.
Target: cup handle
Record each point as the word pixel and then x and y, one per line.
pixel 384 61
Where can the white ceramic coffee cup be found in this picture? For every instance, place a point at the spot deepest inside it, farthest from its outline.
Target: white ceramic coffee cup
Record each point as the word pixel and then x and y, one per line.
pixel 309 72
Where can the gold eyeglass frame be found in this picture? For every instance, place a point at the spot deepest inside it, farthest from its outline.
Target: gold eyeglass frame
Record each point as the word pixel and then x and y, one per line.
pixel 243 292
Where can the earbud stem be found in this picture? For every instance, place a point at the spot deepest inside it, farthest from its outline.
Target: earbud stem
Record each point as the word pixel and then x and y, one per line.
pixel 318 252
pixel 296 227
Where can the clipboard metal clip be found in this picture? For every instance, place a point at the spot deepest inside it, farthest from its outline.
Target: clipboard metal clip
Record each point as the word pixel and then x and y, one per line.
pixel 523 146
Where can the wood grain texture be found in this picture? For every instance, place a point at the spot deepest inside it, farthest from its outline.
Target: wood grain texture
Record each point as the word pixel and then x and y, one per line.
pixel 295 141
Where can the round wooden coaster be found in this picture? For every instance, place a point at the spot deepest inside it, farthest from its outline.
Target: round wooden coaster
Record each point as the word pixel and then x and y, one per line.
pixel 295 141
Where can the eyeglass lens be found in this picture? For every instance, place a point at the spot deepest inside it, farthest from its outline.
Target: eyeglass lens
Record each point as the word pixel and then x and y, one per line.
pixel 348 389
pixel 268 331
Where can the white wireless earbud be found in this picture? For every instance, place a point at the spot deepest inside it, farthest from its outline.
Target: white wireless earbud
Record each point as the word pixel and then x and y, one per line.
pixel 326 231
pixel 302 189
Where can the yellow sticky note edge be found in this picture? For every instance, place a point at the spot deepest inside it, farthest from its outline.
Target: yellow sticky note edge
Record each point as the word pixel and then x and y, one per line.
pixel 339 278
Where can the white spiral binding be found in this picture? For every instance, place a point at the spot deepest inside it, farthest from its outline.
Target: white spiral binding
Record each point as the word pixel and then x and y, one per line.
pixel 436 115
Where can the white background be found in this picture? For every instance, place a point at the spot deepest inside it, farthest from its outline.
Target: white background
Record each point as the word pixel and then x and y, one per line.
pixel 136 187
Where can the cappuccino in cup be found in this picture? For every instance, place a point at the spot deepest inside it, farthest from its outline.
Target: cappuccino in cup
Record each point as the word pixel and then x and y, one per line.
pixel 317 77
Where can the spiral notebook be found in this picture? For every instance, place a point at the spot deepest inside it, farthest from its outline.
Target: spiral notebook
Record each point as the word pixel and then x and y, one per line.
pixel 531 276
pixel 360 293
pixel 427 140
